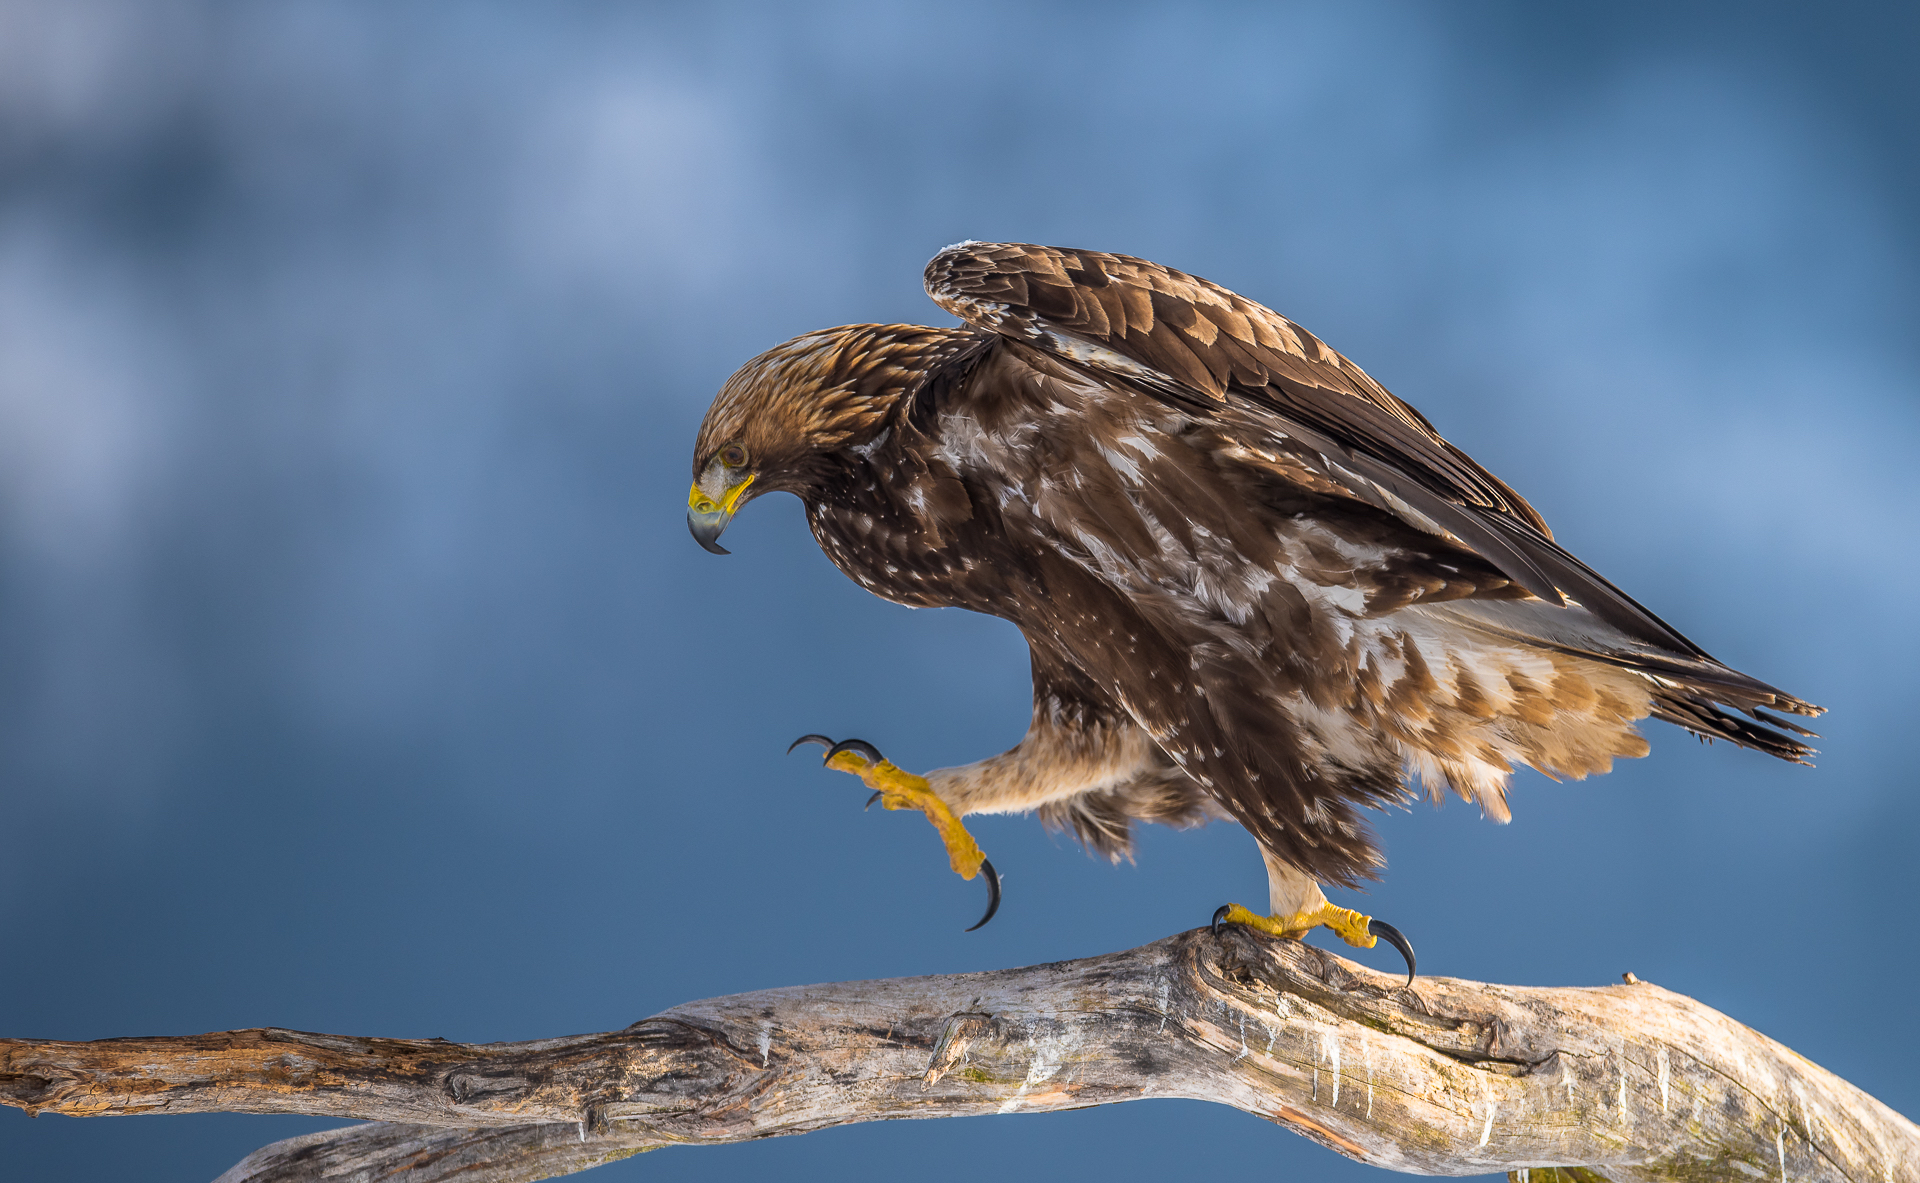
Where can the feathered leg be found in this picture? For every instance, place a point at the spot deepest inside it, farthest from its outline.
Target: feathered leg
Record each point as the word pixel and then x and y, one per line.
pixel 1069 752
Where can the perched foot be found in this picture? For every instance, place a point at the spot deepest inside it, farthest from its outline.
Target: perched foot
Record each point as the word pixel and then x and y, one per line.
pixel 1350 926
pixel 896 788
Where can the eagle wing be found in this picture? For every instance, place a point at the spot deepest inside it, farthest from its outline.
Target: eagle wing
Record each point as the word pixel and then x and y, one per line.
pixel 1187 341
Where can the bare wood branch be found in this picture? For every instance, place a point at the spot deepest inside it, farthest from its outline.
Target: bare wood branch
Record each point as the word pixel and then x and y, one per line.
pixel 1632 1082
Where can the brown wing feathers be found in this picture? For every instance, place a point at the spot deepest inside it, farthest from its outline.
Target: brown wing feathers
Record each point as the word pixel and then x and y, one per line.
pixel 1208 339
pixel 1184 340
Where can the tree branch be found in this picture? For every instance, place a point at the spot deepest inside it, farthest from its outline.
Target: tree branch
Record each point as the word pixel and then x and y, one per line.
pixel 1449 1077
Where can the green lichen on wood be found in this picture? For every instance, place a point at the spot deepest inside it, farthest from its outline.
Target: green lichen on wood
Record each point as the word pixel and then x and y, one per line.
pixel 1555 1175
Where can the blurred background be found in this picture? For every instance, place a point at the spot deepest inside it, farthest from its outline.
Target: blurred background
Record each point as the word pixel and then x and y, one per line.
pixel 357 673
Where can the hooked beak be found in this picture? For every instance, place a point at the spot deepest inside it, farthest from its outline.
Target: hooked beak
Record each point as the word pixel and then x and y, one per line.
pixel 707 516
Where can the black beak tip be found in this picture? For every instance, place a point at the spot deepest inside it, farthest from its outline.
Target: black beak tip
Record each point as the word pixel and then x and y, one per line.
pixel 706 538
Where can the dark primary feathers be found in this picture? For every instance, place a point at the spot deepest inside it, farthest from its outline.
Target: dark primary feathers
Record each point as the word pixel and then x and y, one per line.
pixel 1216 530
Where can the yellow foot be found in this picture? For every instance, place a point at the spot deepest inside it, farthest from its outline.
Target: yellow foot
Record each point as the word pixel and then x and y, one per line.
pixel 1348 924
pixel 896 788
pixel 1355 929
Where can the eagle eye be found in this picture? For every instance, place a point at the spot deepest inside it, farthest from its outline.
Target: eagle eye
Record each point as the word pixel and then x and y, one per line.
pixel 733 455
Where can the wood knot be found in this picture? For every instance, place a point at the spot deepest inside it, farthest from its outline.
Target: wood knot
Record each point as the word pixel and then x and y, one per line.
pixel 960 1032
pixel 593 1121
pixel 24 1088
pixel 1237 955
pixel 468 1087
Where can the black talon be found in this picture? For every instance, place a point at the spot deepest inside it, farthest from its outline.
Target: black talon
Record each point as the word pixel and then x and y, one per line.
pixel 1394 937
pixel 878 793
pixel 858 746
pixel 822 740
pixel 993 891
pixel 1219 914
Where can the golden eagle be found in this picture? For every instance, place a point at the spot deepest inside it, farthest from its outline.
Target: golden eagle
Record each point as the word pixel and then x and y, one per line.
pixel 1254 583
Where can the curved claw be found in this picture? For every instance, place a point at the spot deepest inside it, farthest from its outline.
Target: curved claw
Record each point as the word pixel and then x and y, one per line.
pixel 1394 937
pixel 1219 914
pixel 993 892
pixel 859 747
pixel 822 740
pixel 877 794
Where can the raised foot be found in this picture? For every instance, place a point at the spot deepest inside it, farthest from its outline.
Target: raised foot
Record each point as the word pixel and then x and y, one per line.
pixel 896 788
pixel 1350 926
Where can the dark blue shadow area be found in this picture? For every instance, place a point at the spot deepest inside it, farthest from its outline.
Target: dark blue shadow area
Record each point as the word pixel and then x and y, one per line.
pixel 357 673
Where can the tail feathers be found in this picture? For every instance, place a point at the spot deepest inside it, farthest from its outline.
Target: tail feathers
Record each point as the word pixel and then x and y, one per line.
pixel 1716 702
pixel 1722 683
pixel 1697 712
pixel 1688 687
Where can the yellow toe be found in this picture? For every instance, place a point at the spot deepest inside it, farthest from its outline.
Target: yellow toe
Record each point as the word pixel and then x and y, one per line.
pixel 900 789
pixel 1349 925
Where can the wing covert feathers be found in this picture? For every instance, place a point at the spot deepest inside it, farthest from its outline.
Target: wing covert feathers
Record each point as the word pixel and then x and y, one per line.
pixel 1212 342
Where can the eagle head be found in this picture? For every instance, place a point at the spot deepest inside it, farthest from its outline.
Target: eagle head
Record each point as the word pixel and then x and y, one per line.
pixel 778 422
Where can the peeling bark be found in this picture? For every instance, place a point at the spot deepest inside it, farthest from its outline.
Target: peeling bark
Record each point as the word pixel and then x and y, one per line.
pixel 1628 1082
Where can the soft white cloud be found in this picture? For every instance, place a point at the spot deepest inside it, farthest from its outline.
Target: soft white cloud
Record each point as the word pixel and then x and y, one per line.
pixel 84 428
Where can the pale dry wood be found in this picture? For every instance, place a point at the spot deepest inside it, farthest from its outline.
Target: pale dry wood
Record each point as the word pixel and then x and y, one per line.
pixel 1632 1082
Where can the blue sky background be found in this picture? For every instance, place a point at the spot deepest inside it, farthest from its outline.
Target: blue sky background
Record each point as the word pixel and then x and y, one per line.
pixel 357 673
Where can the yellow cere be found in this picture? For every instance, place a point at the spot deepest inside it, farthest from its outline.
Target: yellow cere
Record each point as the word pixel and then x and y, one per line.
pixel 699 502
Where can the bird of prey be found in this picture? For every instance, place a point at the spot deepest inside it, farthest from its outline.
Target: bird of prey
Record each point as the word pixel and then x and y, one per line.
pixel 1255 584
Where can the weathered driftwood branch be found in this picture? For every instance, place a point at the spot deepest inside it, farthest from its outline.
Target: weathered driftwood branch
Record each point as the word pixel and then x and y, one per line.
pixel 1631 1082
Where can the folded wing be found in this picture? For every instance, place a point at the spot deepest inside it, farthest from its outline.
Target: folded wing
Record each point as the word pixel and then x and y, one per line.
pixel 1188 342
